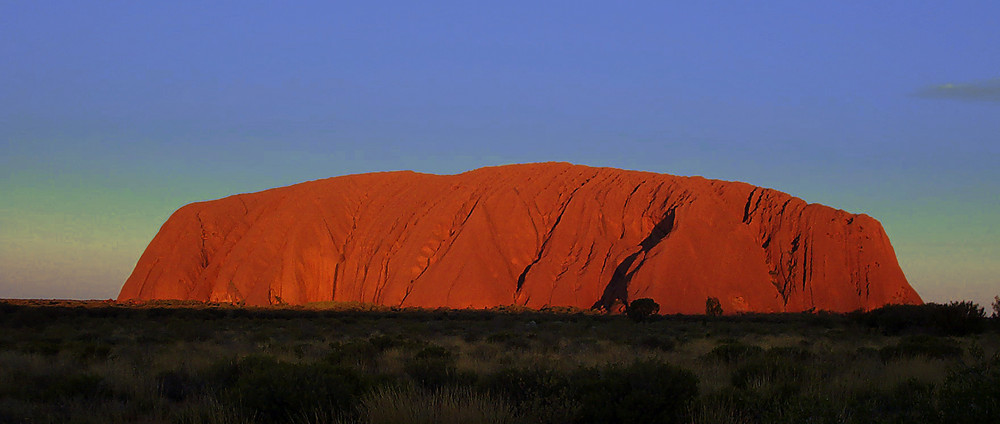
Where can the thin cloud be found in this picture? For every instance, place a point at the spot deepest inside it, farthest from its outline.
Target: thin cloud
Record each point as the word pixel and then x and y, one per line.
pixel 988 91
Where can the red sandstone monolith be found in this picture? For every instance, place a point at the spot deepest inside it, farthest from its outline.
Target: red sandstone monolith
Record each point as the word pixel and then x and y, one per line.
pixel 550 234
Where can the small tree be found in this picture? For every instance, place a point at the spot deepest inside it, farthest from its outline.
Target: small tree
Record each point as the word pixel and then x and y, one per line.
pixel 960 318
pixel 996 307
pixel 641 309
pixel 713 307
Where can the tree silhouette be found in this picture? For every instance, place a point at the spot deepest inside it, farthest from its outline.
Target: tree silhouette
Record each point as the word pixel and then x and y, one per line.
pixel 713 307
pixel 641 309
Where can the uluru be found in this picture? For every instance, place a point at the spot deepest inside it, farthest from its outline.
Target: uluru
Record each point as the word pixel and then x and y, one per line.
pixel 536 235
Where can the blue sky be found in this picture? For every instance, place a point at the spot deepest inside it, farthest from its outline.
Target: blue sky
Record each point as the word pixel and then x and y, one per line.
pixel 114 114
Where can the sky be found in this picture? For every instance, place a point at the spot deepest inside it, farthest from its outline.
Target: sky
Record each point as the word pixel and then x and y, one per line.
pixel 114 114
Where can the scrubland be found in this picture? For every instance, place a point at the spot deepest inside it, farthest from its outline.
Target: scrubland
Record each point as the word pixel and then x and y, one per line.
pixel 171 362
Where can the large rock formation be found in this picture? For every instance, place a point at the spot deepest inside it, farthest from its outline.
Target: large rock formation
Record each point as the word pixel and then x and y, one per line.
pixel 536 235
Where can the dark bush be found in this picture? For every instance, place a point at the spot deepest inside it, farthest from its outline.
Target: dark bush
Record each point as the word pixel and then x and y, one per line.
pixel 866 352
pixel 926 346
pixel 908 402
pixel 790 353
pixel 971 394
pixel 651 341
pixel 434 367
pixel 961 318
pixel 955 318
pixel 734 352
pixel 42 347
pixel 510 340
pixel 352 352
pixel 713 307
pixel 364 352
pixel 277 391
pixel 382 342
pixel 60 387
pixel 28 317
pixel 911 401
pixel 178 385
pixel 766 371
pixel 773 404
pixel 435 353
pixel 642 309
pixel 540 395
pixel 642 392
pixel 786 402
pixel 89 350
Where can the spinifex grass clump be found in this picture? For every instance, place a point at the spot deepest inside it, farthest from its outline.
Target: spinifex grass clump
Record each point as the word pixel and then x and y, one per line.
pixel 447 405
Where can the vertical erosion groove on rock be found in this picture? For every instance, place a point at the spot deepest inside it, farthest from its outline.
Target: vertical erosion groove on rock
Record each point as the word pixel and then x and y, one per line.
pixel 550 234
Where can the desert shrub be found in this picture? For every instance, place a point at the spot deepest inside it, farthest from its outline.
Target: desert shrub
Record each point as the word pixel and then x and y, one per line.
pixel 435 353
pixel 955 318
pixel 713 307
pixel 923 345
pixel 276 391
pixel 8 309
pixel 223 373
pixel 28 317
pixel 434 367
pixel 972 393
pixel 74 385
pixel 793 353
pixel 787 403
pixel 764 371
pixel 866 352
pixel 510 340
pixel 961 318
pixel 179 328
pixel 642 309
pixel 539 395
pixel 179 385
pixel 364 352
pixel 91 350
pixel 908 402
pixel 45 347
pixel 779 404
pixel 34 378
pixel 734 352
pixel 382 342
pixel 656 342
pixel 55 386
pixel 641 392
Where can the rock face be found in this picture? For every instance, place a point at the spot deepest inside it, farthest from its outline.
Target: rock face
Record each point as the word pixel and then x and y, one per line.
pixel 549 234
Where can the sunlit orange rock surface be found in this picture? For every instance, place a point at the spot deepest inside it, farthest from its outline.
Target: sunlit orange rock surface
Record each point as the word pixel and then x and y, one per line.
pixel 550 234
